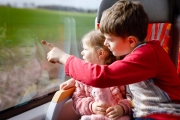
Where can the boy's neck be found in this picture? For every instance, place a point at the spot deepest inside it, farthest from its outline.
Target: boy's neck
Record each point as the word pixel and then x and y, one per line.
pixel 139 45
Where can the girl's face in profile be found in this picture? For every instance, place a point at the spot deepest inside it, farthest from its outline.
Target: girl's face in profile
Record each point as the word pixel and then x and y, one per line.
pixel 88 53
pixel 26 50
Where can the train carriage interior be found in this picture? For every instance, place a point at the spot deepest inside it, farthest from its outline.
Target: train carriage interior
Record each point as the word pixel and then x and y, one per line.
pixel 29 84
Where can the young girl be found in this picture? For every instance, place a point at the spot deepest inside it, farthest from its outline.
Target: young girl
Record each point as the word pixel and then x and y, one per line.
pixel 87 98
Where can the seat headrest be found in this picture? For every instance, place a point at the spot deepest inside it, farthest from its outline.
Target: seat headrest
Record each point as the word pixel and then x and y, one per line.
pixel 157 10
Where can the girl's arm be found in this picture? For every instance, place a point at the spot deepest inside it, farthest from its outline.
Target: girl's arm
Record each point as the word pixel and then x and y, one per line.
pixel 82 99
pixel 125 103
pixel 67 84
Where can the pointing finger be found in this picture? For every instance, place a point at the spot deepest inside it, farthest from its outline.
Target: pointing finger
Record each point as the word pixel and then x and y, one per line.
pixel 47 44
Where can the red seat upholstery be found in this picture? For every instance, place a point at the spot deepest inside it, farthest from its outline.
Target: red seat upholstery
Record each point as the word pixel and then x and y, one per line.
pixel 178 69
pixel 162 32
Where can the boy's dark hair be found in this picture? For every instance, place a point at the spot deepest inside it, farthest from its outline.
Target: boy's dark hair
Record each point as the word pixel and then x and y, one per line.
pixel 125 18
pixel 96 40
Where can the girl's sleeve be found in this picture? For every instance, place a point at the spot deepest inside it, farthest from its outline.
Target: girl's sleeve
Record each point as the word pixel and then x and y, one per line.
pixel 82 99
pixel 125 103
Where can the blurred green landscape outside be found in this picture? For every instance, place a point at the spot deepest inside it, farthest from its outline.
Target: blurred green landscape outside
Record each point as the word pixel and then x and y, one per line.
pixel 46 24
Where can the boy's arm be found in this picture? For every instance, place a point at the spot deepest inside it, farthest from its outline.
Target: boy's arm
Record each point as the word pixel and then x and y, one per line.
pixel 56 55
pixel 82 99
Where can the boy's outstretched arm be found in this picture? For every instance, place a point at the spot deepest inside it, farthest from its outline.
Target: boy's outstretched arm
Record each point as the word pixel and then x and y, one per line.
pixel 55 54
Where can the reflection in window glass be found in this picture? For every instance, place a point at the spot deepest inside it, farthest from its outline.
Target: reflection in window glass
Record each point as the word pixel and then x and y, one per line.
pixel 25 73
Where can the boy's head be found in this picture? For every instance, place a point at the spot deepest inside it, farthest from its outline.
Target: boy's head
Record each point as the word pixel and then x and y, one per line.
pixel 125 18
pixel 94 50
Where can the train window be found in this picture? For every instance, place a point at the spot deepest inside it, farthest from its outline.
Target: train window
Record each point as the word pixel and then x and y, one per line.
pixel 25 74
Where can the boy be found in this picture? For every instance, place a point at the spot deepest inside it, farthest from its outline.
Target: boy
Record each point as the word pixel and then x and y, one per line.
pixel 154 82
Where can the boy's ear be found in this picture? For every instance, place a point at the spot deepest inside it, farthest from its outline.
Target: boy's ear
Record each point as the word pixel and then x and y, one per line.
pixel 132 41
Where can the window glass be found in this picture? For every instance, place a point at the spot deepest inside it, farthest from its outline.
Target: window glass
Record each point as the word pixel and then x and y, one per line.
pixel 25 73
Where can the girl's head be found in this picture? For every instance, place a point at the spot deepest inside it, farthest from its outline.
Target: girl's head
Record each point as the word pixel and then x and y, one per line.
pixel 25 45
pixel 94 50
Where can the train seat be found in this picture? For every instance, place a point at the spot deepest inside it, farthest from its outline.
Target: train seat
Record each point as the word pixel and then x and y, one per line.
pixel 178 69
pixel 161 26
pixel 161 32
pixel 55 108
pixel 177 28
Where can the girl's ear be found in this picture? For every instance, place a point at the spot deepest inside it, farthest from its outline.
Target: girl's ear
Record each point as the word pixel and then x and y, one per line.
pixel 101 53
pixel 132 41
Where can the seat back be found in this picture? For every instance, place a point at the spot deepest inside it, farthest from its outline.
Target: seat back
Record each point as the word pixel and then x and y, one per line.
pixel 177 34
pixel 158 11
pixel 161 32
pixel 57 103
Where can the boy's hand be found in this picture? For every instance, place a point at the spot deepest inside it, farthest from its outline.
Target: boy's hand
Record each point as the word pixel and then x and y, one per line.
pixel 67 84
pixel 55 55
pixel 99 108
pixel 115 112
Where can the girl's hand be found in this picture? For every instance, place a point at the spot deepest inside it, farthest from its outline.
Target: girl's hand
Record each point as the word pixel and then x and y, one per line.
pixel 67 84
pixel 115 112
pixel 55 55
pixel 99 108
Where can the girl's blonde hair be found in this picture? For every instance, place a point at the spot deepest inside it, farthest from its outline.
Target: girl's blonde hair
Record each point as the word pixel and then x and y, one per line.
pixel 96 40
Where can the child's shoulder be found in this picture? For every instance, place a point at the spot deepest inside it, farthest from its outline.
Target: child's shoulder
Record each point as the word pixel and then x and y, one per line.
pixel 153 42
pixel 150 47
pixel 155 45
